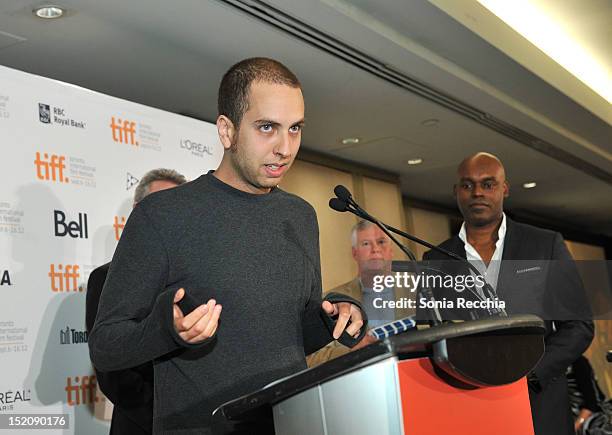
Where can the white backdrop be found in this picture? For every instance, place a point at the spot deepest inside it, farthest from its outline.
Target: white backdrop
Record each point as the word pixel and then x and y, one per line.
pixel 70 161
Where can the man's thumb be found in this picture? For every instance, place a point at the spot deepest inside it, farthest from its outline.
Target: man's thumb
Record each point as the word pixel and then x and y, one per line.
pixel 328 307
pixel 179 295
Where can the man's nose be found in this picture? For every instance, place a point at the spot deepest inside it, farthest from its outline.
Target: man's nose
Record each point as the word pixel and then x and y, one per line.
pixel 283 146
pixel 477 190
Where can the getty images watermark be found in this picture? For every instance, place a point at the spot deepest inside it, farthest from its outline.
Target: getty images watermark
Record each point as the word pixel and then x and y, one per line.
pixel 412 282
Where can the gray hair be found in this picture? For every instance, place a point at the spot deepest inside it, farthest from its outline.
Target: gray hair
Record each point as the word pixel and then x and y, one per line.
pixel 359 226
pixel 161 174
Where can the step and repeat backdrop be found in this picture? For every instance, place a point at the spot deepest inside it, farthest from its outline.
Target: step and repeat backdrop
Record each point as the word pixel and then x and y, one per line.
pixel 71 159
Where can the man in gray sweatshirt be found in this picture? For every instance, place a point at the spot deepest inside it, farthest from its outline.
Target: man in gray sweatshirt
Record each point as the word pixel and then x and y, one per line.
pixel 230 240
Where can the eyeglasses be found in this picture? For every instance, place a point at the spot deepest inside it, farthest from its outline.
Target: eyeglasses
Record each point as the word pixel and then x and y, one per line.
pixel 486 185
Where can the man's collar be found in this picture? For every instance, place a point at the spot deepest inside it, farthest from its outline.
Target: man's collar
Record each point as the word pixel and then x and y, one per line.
pixel 501 232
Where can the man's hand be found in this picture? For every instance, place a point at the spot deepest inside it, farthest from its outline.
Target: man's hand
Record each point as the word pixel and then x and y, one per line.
pixel 198 325
pixel 345 312
pixel 582 416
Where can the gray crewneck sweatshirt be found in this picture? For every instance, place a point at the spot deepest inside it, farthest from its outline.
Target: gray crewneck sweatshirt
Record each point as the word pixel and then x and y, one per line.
pixel 257 255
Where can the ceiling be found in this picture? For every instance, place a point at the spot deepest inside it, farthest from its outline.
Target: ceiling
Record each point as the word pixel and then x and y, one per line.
pixel 370 69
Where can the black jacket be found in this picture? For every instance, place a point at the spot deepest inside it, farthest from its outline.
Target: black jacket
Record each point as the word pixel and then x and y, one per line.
pixel 531 284
pixel 130 390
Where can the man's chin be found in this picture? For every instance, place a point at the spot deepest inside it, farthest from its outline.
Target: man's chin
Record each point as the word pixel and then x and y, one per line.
pixel 376 267
pixel 481 220
pixel 270 183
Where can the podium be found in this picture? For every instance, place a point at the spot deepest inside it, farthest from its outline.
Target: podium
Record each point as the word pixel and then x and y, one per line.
pixel 456 378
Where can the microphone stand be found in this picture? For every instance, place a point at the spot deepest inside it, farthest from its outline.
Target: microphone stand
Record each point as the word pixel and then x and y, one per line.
pixel 345 202
pixel 342 205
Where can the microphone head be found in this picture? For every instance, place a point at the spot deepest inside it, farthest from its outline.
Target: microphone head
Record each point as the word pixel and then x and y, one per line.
pixel 338 205
pixel 343 193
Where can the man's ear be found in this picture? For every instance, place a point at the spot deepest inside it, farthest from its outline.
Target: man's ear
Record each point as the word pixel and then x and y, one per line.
pixel 455 190
pixel 354 252
pixel 506 189
pixel 226 131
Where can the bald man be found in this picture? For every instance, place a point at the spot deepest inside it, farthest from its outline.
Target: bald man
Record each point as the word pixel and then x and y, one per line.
pixel 488 236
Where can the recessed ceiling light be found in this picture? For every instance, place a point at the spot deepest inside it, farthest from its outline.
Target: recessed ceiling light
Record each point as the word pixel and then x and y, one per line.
pixel 430 122
pixel 49 12
pixel 530 185
pixel 350 140
pixel 416 161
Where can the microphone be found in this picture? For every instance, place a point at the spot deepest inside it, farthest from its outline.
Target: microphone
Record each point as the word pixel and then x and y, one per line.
pixel 343 194
pixel 338 205
pixel 345 202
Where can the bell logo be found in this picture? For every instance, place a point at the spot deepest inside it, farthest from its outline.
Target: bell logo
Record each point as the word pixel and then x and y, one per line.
pixel 64 278
pixel 118 226
pixel 82 392
pixel 5 278
pixel 76 230
pixel 123 131
pixel 50 169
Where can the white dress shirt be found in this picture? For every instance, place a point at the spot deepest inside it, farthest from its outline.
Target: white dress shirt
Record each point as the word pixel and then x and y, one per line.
pixel 490 272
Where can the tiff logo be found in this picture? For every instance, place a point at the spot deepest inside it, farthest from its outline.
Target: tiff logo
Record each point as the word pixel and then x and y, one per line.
pixel 75 229
pixel 5 279
pixel 83 390
pixel 50 169
pixel 67 275
pixel 123 131
pixel 118 226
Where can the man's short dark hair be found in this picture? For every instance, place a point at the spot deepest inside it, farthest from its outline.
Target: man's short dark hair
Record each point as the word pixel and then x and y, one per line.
pixel 160 174
pixel 233 98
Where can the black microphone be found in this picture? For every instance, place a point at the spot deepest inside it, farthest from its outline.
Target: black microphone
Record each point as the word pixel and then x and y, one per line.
pixel 338 205
pixel 343 193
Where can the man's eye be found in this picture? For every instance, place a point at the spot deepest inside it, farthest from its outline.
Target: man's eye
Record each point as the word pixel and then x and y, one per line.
pixel 466 186
pixel 295 128
pixel 266 128
pixel 487 185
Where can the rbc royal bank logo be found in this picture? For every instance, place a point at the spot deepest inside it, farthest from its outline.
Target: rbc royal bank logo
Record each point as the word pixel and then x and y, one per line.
pixel 44 113
pixel 58 116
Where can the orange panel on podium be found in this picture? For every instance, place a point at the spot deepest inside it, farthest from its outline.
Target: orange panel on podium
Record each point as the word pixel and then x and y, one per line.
pixel 432 407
